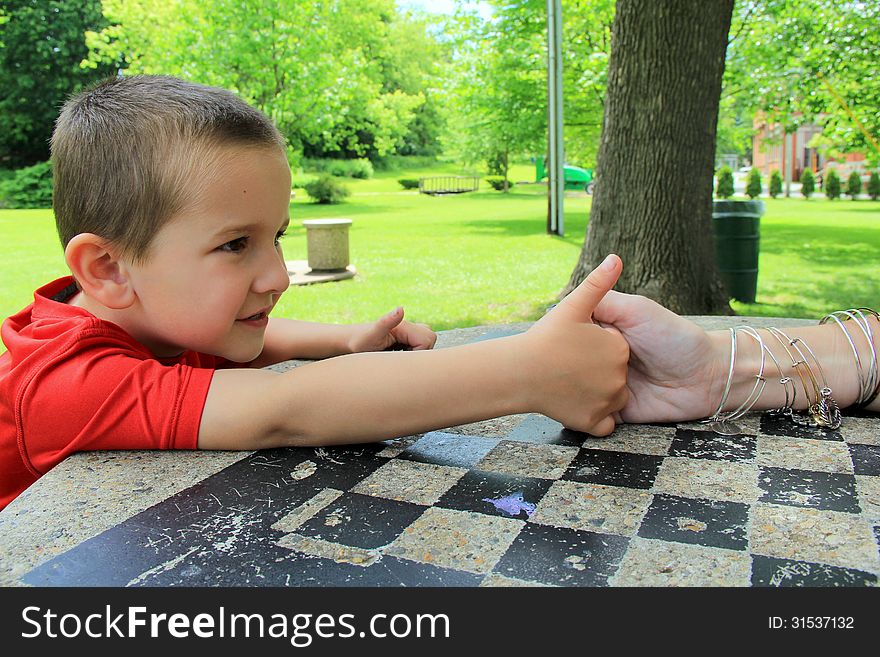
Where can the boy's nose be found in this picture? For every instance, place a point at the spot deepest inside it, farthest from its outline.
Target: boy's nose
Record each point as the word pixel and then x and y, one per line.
pixel 273 277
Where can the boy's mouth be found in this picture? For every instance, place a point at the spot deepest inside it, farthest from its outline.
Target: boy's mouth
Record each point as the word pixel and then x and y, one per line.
pixel 257 316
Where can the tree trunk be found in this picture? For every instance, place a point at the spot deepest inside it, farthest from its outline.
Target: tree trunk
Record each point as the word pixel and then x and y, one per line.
pixel 653 198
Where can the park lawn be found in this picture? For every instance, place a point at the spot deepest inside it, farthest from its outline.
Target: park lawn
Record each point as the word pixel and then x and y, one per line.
pixel 485 258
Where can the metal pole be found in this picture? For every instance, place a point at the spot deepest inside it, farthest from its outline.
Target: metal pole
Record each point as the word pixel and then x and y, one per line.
pixel 556 154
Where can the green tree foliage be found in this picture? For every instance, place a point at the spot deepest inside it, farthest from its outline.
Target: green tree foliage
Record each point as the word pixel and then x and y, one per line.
pixel 753 186
pixel 775 183
pixel 499 97
pixel 831 184
pixel 41 46
pixel 808 183
pixel 345 77
pixel 874 186
pixel 854 185
pixel 724 186
pixel 784 54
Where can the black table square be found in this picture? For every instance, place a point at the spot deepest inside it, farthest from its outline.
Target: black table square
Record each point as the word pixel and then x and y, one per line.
pixel 439 448
pixel 694 444
pixel 697 522
pixel 625 469
pixel 770 571
pixel 780 425
pixel 562 557
pixel 496 494
pixel 830 491
pixel 361 520
pixel 865 458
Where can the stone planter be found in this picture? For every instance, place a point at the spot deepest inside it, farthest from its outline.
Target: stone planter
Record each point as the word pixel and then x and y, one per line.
pixel 327 242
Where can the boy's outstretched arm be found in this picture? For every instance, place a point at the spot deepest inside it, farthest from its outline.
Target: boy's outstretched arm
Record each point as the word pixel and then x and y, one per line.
pixel 565 367
pixel 289 338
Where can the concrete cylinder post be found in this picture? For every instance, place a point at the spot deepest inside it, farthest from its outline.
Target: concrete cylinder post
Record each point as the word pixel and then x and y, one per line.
pixel 327 242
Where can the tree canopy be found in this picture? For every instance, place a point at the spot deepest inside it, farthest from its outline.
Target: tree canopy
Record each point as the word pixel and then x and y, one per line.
pixel 41 47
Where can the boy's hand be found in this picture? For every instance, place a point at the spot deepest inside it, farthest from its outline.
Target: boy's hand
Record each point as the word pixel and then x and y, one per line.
pixel 391 331
pixel 676 370
pixel 580 368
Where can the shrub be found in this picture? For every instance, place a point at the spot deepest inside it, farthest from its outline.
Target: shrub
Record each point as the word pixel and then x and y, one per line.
pixel 775 183
pixel 724 188
pixel 409 183
pixel 30 187
pixel 753 187
pixel 497 183
pixel 326 189
pixel 832 184
pixel 854 185
pixel 808 183
pixel 360 168
pixel 874 186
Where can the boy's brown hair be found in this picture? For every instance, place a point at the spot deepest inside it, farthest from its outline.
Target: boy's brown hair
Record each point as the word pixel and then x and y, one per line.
pixel 131 152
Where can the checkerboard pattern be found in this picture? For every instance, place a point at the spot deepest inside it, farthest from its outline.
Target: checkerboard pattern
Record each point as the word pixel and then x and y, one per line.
pixel 671 505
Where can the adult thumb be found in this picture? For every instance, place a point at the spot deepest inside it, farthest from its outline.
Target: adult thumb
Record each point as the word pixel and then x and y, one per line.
pixel 580 303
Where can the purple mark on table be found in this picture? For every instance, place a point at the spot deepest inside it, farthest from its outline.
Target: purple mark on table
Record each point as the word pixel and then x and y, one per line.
pixel 512 504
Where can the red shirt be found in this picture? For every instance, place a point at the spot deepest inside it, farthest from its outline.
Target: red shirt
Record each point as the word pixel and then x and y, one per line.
pixel 71 382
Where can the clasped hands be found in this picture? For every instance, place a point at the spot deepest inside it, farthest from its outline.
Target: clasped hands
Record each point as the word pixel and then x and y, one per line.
pixel 599 357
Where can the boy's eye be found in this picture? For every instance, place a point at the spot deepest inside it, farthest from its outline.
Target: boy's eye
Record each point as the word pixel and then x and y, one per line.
pixel 235 246
pixel 279 235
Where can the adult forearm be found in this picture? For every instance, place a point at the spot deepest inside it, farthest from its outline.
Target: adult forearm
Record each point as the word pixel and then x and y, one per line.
pixel 369 396
pixel 831 347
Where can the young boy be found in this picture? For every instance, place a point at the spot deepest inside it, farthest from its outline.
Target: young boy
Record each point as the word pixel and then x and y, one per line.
pixel 170 200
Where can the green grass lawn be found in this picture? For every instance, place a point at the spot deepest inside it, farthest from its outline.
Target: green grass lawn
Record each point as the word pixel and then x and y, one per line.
pixel 485 258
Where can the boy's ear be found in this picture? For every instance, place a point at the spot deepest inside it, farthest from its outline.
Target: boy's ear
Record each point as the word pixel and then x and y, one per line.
pixel 101 274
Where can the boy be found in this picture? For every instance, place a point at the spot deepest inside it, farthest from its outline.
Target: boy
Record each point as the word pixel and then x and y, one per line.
pixel 170 200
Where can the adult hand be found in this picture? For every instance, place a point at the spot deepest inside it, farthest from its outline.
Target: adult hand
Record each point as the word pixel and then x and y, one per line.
pixel 578 370
pixel 676 369
pixel 391 331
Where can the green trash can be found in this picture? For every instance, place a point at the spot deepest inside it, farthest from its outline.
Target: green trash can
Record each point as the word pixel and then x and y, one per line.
pixel 736 230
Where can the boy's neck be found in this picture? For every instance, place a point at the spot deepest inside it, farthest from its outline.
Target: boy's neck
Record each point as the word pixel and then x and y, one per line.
pixel 122 318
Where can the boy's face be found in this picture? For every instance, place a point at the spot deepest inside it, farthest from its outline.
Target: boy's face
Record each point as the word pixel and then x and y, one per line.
pixel 215 271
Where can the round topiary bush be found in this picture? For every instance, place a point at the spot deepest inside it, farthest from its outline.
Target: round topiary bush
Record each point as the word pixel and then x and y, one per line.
pixel 724 188
pixel 874 186
pixel 775 183
pixel 408 183
pixel 754 187
pixel 327 190
pixel 832 185
pixel 808 183
pixel 854 185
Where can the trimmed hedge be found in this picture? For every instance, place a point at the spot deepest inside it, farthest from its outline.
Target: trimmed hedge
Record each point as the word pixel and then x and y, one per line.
pixel 497 183
pixel 30 187
pixel 360 168
pixel 327 190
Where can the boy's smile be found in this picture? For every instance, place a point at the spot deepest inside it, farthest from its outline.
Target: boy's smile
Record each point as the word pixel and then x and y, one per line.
pixel 215 271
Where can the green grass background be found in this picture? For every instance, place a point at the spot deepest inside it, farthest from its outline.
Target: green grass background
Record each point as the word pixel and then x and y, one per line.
pixel 485 257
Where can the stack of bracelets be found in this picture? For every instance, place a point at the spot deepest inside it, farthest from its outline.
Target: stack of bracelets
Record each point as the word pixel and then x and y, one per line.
pixel 821 409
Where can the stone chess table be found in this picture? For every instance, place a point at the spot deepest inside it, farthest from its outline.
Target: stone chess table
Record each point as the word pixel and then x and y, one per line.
pixel 515 501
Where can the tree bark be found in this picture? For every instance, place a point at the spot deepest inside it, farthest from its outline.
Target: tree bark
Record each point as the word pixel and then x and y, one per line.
pixel 653 199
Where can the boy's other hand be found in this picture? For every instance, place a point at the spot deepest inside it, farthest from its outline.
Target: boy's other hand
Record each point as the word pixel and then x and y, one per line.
pixel 580 367
pixel 392 331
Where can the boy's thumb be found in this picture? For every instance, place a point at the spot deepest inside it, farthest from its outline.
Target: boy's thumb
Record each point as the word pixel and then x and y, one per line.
pixel 580 303
pixel 392 319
